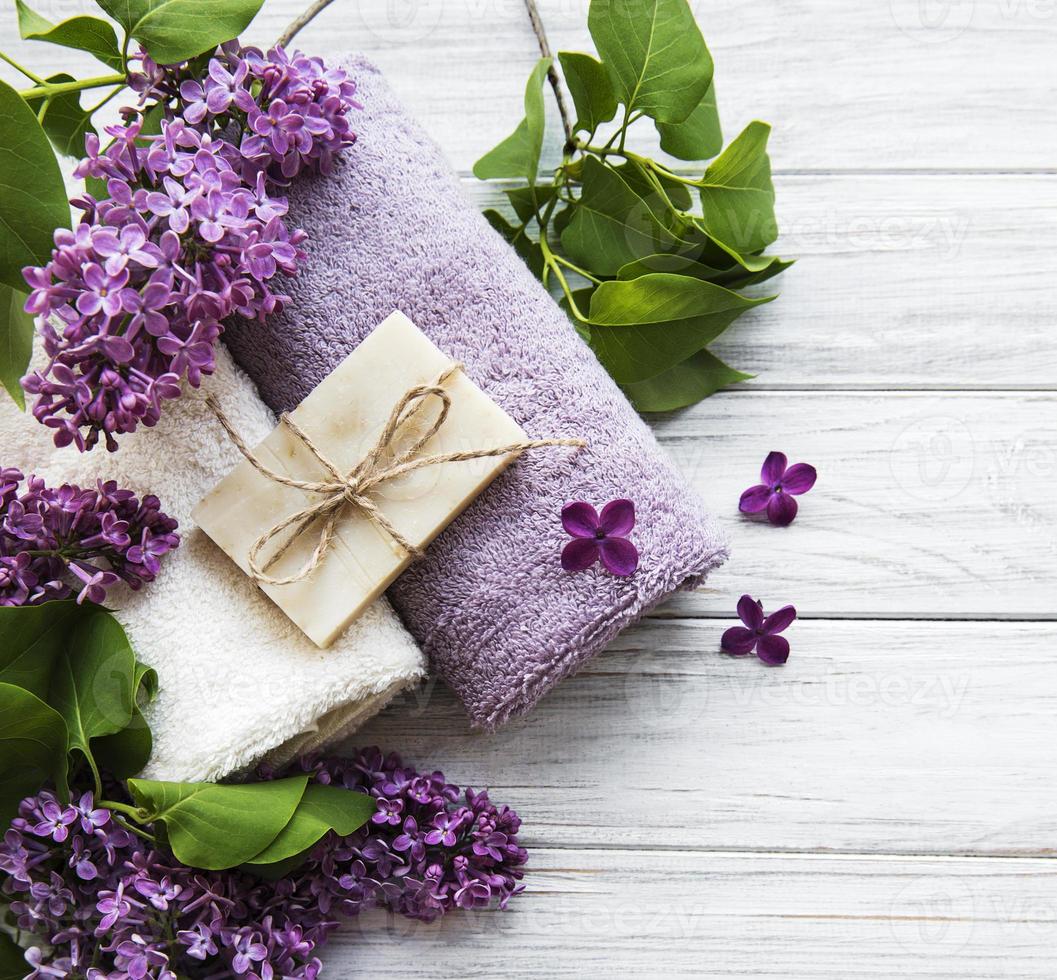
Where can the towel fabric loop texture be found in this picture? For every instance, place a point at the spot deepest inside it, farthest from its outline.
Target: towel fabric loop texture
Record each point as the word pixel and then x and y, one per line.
pixel 390 229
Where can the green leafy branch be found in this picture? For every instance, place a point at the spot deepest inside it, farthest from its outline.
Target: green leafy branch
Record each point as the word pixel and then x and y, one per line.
pixel 649 263
pixel 72 695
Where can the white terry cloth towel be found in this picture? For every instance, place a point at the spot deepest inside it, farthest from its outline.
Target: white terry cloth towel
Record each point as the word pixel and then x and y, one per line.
pixel 238 681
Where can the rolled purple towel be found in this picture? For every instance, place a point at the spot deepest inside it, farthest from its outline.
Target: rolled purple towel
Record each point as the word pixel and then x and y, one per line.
pixel 490 603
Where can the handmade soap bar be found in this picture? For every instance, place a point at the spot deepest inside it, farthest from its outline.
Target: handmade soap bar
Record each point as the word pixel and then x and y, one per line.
pixel 344 417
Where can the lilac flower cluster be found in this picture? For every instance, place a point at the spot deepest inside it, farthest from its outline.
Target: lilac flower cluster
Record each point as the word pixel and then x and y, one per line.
pixel 187 234
pixel 93 901
pixel 427 850
pixel 51 536
pixel 287 113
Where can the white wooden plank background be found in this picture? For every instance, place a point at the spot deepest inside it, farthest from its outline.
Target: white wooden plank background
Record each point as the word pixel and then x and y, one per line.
pixel 704 914
pixel 885 804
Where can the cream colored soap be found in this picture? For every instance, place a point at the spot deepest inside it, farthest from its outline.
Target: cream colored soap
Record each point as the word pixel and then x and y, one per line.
pixel 344 416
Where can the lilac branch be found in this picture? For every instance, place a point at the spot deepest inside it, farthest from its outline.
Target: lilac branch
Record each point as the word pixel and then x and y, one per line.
pixel 299 23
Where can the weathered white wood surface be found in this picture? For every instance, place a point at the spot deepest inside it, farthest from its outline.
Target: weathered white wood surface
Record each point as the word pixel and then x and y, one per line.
pixel 875 737
pixel 892 84
pixel 654 913
pixel 889 84
pixel 684 808
pixel 928 504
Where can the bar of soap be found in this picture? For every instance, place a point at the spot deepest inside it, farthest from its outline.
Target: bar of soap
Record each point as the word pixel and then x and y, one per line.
pixel 344 416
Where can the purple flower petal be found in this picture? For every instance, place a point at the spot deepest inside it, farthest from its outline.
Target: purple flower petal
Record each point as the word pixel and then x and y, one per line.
pixel 799 478
pixel 750 612
pixel 754 499
pixel 782 509
pixel 773 650
pixel 580 519
pixel 773 468
pixel 89 303
pixel 617 518
pixel 739 641
pixel 779 620
pixel 118 349
pixel 619 555
pixel 211 231
pixel 579 554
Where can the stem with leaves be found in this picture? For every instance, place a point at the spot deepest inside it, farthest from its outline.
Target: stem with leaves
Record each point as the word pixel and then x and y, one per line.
pixel 648 262
pixel 552 74
pixel 48 90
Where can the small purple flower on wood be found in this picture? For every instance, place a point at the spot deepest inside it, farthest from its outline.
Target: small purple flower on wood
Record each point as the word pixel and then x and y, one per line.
pixel 759 633
pixel 780 483
pixel 600 536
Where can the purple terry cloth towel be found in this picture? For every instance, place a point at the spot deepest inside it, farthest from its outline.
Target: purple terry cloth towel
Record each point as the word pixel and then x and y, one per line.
pixel 490 603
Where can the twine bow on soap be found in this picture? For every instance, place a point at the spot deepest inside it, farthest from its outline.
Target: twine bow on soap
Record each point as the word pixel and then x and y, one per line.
pixel 339 490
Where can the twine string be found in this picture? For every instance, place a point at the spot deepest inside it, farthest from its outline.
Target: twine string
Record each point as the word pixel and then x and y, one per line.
pixel 341 490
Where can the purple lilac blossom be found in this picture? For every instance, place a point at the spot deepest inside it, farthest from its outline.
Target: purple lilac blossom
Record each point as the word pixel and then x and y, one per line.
pixel 55 537
pixel 103 904
pixel 188 233
pixel 780 482
pixel 600 536
pixel 759 633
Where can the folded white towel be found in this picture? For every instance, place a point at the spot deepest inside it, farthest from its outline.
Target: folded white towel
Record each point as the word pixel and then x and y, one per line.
pixel 239 682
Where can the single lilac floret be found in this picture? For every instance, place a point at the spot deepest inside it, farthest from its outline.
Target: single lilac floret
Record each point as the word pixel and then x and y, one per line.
pixel 760 633
pixel 780 483
pixel 600 536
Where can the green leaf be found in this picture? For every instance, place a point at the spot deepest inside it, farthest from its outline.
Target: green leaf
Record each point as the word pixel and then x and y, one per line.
pixel 738 196
pixel 66 121
pixel 127 752
pixel 127 12
pixel 530 251
pixel 699 136
pixel 34 639
pixel 677 193
pixel 83 33
pixel 641 327
pixel 78 660
pixel 278 869
pixel 590 88
pixel 561 218
pixel 32 747
pixel 215 826
pixel 32 196
pixel 749 270
pixel 92 684
pixel 322 809
pixel 13 964
pixel 96 187
pixel 654 53
pixel 16 342
pixel 667 262
pixel 177 30
pixel 612 224
pixel 526 201
pixel 519 154
pixel 699 376
pixel 765 267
